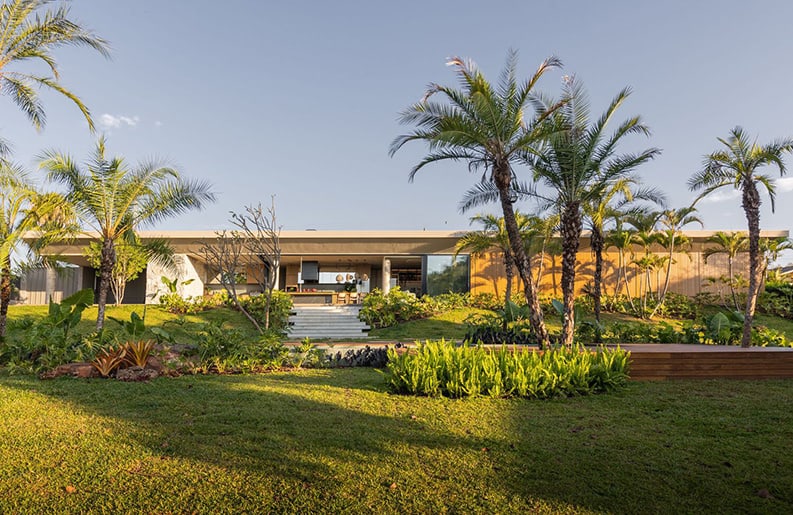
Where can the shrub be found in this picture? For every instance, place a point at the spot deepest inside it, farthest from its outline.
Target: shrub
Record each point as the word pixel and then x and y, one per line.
pixel 376 357
pixel 440 368
pixel 280 306
pixel 385 310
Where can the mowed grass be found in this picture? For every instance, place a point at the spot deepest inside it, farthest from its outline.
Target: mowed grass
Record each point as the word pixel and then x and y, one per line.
pixel 182 327
pixel 332 441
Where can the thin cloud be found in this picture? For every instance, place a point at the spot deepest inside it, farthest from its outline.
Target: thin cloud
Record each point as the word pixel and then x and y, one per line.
pixel 722 195
pixel 784 184
pixel 109 121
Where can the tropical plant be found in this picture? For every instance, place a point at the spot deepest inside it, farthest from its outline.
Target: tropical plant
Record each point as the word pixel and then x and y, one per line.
pixel 738 165
pixel 24 208
pixel 488 128
pixel 671 238
pixel 579 163
pixel 115 200
pixel 599 210
pixel 730 243
pixel 28 32
pixel 772 248
pixel 108 360
pixel 494 235
pixel 131 260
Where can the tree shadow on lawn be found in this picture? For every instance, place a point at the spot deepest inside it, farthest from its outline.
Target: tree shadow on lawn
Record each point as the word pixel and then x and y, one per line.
pixel 335 437
pixel 292 440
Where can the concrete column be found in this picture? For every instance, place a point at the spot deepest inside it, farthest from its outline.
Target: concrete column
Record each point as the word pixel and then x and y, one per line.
pixel 49 285
pixel 386 280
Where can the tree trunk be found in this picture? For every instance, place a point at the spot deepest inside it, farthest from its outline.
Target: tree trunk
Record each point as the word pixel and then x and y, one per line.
pixel 751 206
pixel 597 242
pixel 730 261
pixel 502 176
pixel 662 296
pixel 106 262
pixel 571 232
pixel 5 296
pixel 509 268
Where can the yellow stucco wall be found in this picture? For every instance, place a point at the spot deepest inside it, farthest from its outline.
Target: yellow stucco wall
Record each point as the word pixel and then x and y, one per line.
pixel 688 273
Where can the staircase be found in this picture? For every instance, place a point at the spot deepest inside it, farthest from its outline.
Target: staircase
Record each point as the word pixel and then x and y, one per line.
pixel 337 322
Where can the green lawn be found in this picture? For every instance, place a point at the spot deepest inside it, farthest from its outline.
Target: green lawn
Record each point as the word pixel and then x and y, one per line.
pixel 335 441
pixel 180 326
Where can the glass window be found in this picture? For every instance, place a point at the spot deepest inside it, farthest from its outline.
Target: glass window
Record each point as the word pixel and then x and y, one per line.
pixel 445 273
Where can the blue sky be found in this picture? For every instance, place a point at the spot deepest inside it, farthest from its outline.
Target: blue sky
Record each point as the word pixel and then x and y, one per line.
pixel 301 99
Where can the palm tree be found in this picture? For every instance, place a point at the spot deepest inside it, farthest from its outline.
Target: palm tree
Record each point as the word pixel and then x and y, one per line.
pixel 488 128
pixel 115 201
pixel 494 235
pixel 772 248
pixel 738 166
pixel 730 243
pixel 30 33
pixel 23 208
pixel 598 210
pixel 579 164
pixel 670 237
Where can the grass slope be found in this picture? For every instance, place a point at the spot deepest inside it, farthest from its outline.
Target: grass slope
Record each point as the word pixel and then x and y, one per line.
pixel 334 441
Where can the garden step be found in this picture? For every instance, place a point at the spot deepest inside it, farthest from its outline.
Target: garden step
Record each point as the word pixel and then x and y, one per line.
pixel 326 322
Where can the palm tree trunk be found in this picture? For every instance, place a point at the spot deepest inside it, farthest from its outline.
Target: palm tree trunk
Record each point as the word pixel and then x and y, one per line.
pixel 751 206
pixel 662 297
pixel 732 282
pixel 509 268
pixel 571 225
pixel 502 176
pixel 106 262
pixel 5 296
pixel 597 243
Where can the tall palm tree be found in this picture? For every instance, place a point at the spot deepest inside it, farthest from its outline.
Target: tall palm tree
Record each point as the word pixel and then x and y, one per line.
pixel 579 163
pixel 672 237
pixel 738 165
pixel 614 201
pixel 29 32
pixel 488 128
pixel 115 200
pixel 494 235
pixel 730 243
pixel 23 208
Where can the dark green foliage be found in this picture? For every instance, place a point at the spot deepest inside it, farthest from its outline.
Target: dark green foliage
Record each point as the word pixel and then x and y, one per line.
pixel 376 357
pixel 51 341
pixel 385 310
pixel 507 325
pixel 777 299
pixel 280 306
pixel 134 327
pixel 441 368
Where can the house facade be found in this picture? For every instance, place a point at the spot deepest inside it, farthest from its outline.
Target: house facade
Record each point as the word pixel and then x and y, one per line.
pixel 317 264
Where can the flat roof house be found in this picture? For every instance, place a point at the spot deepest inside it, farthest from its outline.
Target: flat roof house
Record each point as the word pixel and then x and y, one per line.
pixel 316 264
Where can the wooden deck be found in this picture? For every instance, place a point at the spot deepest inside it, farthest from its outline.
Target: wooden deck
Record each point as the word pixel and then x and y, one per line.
pixel 677 361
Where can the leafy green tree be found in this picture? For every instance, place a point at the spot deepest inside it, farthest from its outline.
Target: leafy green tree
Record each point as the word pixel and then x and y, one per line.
pixel 579 163
pixel 494 235
pixel 29 31
pixel 131 260
pixel 114 201
pixel 23 208
pixel 738 165
pixel 489 129
pixel 772 248
pixel 730 243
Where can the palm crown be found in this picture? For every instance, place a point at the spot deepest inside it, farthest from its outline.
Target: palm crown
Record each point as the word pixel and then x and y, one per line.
pixel 27 35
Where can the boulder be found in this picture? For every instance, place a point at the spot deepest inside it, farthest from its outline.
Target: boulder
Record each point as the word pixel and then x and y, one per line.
pixel 82 370
pixel 136 374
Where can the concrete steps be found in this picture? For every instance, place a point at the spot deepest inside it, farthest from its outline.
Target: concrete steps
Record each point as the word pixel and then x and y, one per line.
pixel 326 322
